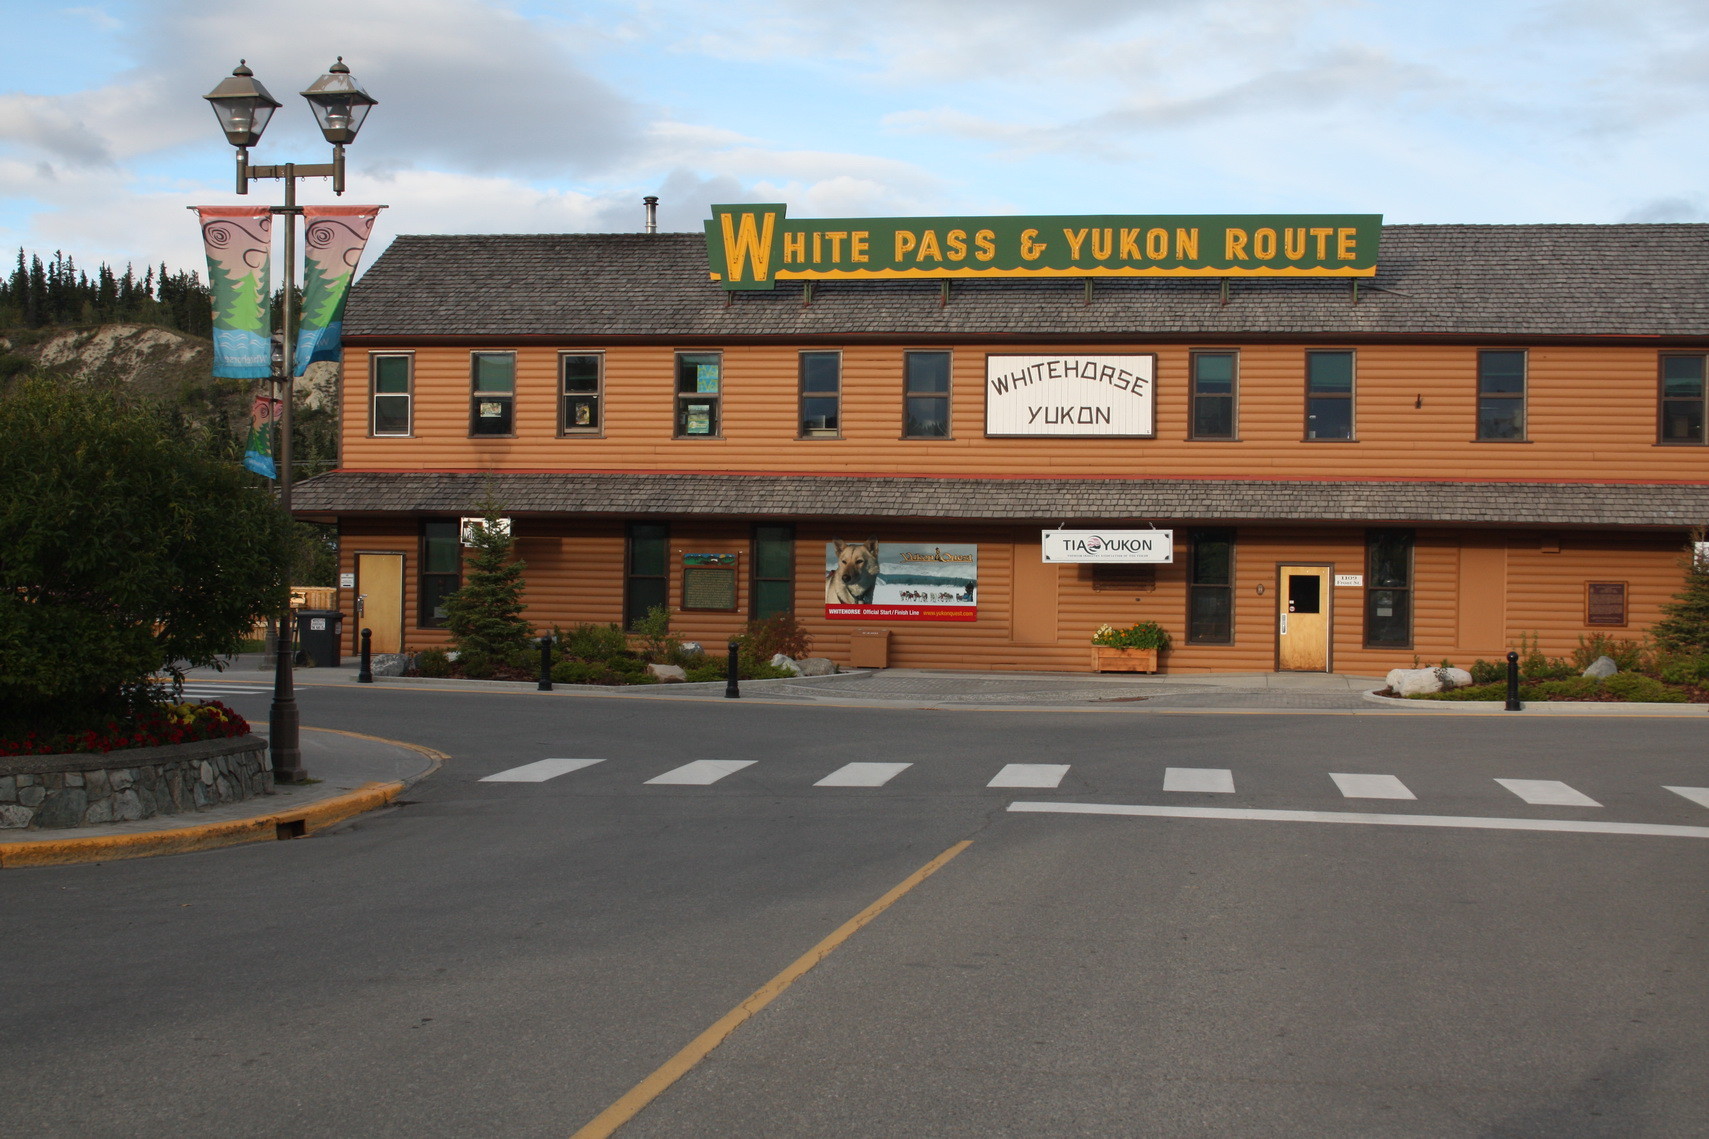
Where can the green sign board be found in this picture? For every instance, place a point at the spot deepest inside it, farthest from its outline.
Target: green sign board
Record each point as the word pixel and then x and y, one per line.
pixel 752 247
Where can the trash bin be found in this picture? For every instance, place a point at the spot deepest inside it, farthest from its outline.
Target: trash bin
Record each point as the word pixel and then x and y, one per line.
pixel 870 648
pixel 320 633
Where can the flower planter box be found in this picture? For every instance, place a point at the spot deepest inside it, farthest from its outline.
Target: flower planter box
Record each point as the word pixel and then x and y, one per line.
pixel 1106 659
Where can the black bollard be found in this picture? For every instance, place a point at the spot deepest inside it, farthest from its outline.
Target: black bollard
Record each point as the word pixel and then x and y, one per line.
pixel 365 674
pixel 732 673
pixel 1513 682
pixel 545 664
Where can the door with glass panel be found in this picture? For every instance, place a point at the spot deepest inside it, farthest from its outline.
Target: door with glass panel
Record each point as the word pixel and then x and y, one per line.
pixel 1302 631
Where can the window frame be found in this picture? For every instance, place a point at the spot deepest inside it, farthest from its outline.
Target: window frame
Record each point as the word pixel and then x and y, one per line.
pixel 565 428
pixel 909 393
pixel 630 533
pixel 1522 396
pixel 1351 396
pixel 1702 400
pixel 375 394
pixel 802 431
pixel 1195 588
pixel 424 617
pixel 1372 588
pixel 755 564
pixel 681 399
pixel 478 397
pixel 1232 396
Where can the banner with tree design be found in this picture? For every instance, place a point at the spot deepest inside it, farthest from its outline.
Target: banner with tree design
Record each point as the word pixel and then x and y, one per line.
pixel 334 237
pixel 239 241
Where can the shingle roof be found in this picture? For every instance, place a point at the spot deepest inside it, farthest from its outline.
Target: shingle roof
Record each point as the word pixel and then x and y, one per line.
pixel 1032 500
pixel 1433 280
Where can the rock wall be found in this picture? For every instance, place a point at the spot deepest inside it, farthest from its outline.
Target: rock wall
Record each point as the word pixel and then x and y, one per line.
pixel 91 788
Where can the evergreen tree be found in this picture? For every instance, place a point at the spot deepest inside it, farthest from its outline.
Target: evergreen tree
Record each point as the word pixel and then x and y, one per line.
pixel 485 616
pixel 1684 628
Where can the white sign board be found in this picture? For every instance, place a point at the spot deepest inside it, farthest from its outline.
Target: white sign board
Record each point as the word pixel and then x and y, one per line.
pixel 1109 545
pixel 470 525
pixel 347 581
pixel 1700 553
pixel 1349 579
pixel 1070 395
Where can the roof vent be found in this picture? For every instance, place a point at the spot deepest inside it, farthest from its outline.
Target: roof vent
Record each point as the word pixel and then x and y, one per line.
pixel 652 204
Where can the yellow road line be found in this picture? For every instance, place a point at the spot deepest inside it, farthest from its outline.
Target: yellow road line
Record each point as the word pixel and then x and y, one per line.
pixel 672 1070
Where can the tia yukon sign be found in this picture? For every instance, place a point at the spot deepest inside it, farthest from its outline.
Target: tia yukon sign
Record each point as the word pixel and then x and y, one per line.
pixel 755 246
pixel 1109 546
pixel 1069 395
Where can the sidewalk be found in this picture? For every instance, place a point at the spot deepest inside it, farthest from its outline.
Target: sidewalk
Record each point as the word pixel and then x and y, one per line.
pixel 355 773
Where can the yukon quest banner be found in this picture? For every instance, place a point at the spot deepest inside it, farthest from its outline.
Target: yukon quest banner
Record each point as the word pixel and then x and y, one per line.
pixel 901 581
pixel 1070 395
pixel 755 246
pixel 1154 546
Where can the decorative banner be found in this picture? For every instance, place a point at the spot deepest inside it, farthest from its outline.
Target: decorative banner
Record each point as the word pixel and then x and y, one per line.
pixel 239 241
pixel 334 237
pixel 900 581
pixel 1156 546
pixel 753 246
pixel 1069 395
pixel 258 454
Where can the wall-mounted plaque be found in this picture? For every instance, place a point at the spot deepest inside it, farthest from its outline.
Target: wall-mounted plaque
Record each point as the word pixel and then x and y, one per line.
pixel 709 581
pixel 1605 603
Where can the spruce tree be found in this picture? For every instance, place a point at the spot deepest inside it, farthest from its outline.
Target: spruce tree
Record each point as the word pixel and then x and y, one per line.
pixel 485 616
pixel 1685 626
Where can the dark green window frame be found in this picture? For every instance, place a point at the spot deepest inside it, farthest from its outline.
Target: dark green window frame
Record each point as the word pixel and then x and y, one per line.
pixel 392 380
pixel 925 395
pixel 821 387
pixel 1681 399
pixel 1388 588
pixel 581 393
pixel 1329 384
pixel 1501 396
pixel 1210 587
pixel 772 583
pixel 646 570
pixel 1215 380
pixel 441 569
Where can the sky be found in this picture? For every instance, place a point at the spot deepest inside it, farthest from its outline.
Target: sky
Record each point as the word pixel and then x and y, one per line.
pixel 512 116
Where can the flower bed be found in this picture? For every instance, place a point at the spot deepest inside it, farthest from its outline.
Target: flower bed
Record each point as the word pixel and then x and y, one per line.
pixel 171 724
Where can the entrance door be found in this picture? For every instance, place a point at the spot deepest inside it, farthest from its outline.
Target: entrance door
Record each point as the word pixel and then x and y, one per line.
pixel 1302 641
pixel 380 600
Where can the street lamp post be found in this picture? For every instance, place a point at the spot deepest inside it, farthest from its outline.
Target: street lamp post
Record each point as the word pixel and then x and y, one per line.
pixel 243 108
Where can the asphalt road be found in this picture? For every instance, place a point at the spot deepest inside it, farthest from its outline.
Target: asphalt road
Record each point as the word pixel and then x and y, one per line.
pixel 511 958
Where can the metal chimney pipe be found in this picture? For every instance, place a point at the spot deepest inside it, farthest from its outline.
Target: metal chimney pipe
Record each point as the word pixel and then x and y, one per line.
pixel 652 213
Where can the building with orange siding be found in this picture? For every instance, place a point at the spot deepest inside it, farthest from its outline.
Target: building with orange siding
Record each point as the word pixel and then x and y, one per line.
pixel 1500 434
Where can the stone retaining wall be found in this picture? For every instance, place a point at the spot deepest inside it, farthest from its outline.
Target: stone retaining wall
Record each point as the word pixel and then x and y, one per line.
pixel 89 788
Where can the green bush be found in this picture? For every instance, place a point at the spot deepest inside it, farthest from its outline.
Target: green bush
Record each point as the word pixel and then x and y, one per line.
pixel 593 642
pixel 1637 686
pixel 1143 635
pixel 476 665
pixel 1488 672
pixel 582 672
pixel 1684 627
pixel 1625 653
pixel 780 633
pixel 1692 670
pixel 485 615
pixel 658 646
pixel 433 662
pixel 627 666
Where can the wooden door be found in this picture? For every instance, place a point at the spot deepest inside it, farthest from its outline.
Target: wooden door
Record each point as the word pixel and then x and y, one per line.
pixel 380 600
pixel 1302 640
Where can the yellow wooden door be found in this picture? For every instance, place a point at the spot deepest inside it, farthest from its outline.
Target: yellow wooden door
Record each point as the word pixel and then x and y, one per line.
pixel 380 600
pixel 1303 632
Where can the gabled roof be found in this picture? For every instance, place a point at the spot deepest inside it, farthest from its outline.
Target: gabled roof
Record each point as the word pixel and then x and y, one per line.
pixel 1488 281
pixel 1009 500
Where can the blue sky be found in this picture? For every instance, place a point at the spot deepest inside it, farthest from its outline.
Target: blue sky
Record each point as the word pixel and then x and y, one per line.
pixel 559 115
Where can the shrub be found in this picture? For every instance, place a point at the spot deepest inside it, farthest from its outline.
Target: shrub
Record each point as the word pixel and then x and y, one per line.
pixel 485 616
pixel 581 672
pixel 780 633
pixel 655 632
pixel 1625 653
pixel 628 666
pixel 1684 627
pixel 1533 665
pixel 433 662
pixel 1636 686
pixel 1143 635
pixel 1692 670
pixel 593 642
pixel 1488 672
pixel 476 665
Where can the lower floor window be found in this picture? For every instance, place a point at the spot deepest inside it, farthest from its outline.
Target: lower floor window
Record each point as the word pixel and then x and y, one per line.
pixel 1388 589
pixel 647 581
pixel 773 571
pixel 441 564
pixel 1210 588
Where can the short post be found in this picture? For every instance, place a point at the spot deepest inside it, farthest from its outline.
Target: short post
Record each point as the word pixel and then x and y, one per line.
pixel 365 674
pixel 545 664
pixel 1513 682
pixel 733 672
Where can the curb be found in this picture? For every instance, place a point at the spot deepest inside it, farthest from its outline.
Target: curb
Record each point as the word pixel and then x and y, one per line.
pixel 1540 707
pixel 296 822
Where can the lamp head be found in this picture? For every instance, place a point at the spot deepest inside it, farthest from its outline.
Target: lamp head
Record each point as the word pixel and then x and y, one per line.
pixel 242 106
pixel 339 103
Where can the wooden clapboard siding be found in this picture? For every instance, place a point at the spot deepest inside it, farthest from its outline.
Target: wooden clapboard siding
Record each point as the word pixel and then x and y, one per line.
pixel 1546 590
pixel 1591 414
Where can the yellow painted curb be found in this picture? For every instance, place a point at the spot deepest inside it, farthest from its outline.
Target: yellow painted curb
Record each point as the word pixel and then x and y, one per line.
pixel 293 823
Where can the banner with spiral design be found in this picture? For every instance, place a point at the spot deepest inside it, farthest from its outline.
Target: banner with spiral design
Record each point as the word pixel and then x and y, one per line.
pixel 239 241
pixel 258 453
pixel 333 239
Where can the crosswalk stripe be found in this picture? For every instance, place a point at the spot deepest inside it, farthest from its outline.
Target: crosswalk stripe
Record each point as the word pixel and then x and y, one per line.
pixel 189 688
pixel 1371 787
pixel 1218 779
pixel 863 775
pixel 701 772
pixel 1698 795
pixel 1029 775
pixel 1548 793
pixel 539 771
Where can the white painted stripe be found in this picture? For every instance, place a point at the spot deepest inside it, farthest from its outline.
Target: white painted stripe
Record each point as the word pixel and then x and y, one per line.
pixel 1472 822
pixel 228 688
pixel 1030 775
pixel 1548 793
pixel 702 771
pixel 863 775
pixel 539 771
pixel 1698 795
pixel 1371 787
pixel 1198 779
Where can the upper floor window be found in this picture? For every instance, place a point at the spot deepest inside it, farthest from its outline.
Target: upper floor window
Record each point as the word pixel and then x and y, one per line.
pixel 1213 395
pixel 1329 395
pixel 391 389
pixel 925 395
pixel 493 401
pixel 821 394
pixel 699 388
pixel 580 393
pixel 1682 395
pixel 1501 396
